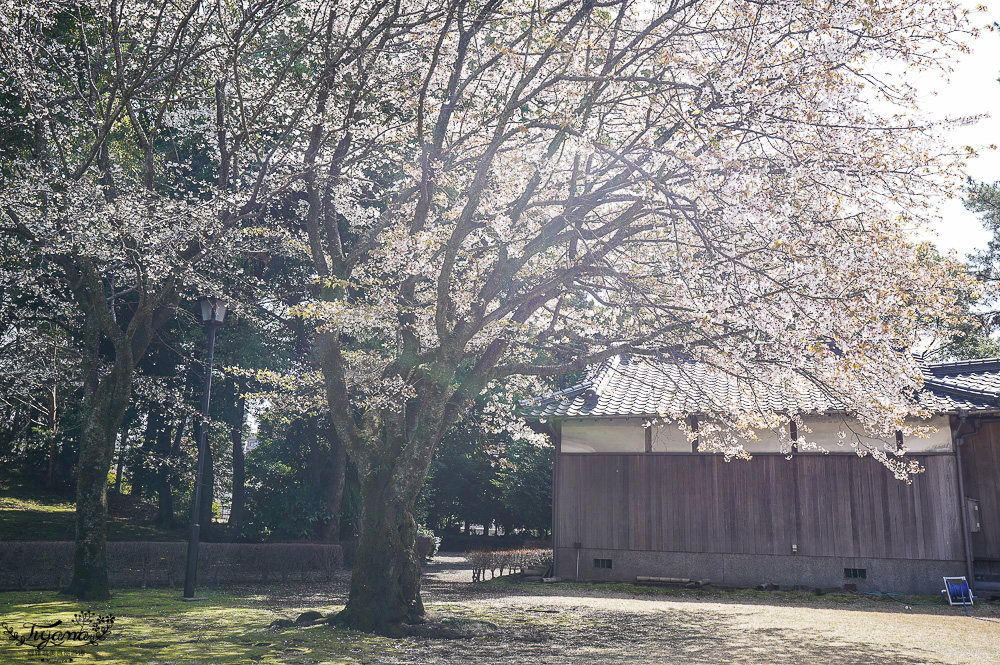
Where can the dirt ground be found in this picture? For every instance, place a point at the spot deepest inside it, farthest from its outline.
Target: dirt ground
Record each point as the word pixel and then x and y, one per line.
pixel 576 624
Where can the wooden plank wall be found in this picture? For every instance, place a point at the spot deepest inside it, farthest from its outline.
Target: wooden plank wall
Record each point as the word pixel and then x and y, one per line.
pixel 981 473
pixel 828 505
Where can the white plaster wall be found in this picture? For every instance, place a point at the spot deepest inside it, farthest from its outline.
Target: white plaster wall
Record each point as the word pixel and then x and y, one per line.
pixel 837 433
pixel 603 436
pixel 629 436
pixel 670 439
pixel 768 441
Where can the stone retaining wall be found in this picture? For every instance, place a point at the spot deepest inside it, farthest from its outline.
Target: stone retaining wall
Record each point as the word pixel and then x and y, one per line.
pixel 49 565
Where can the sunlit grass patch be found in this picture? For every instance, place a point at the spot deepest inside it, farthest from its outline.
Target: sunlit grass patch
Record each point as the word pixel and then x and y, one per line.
pixel 155 626
pixel 35 505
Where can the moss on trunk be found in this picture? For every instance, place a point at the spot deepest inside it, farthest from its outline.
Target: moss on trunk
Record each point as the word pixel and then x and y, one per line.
pixel 385 581
pixel 104 410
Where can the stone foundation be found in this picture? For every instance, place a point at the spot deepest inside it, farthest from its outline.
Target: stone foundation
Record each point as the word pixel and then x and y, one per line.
pixel 906 576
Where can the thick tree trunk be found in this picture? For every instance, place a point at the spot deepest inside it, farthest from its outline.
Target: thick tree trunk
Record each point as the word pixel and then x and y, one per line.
pixel 103 414
pixel 90 570
pixel 385 581
pixel 393 451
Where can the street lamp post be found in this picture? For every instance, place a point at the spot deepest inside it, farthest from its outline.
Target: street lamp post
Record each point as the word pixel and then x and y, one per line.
pixel 213 311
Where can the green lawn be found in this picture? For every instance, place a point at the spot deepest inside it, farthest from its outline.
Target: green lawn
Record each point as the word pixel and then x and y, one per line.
pixel 155 626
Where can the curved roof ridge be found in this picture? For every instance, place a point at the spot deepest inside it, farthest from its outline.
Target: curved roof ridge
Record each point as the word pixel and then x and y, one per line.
pixel 961 391
pixel 962 366
pixel 620 387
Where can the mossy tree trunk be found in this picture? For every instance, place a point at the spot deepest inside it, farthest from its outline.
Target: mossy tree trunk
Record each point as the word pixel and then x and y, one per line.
pixel 392 449
pixel 103 410
pixel 385 581
pixel 107 389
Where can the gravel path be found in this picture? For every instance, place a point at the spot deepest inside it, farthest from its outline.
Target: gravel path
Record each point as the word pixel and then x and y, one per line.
pixel 569 624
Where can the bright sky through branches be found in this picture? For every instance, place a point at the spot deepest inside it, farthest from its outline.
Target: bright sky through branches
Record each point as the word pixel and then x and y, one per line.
pixel 972 90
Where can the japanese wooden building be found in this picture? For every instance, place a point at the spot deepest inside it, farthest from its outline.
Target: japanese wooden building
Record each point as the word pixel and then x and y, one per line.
pixel 632 499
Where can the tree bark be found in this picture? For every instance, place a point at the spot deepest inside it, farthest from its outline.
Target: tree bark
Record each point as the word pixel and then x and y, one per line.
pixel 104 409
pixel 393 452
pixel 385 581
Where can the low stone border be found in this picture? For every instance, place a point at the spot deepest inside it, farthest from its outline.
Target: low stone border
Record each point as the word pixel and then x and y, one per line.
pixel 49 565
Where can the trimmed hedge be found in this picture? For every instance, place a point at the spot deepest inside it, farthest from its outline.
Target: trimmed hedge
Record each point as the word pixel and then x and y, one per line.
pixel 509 560
pixel 49 565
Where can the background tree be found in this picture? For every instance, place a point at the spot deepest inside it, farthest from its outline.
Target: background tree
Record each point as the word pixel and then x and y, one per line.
pixel 488 470
pixel 460 489
pixel 973 336
pixel 158 128
pixel 39 373
pixel 524 481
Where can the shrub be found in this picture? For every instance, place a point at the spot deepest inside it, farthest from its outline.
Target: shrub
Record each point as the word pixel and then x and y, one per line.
pixel 427 543
pixel 509 560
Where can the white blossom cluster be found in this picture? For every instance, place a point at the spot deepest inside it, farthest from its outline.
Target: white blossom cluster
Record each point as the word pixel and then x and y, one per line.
pixel 706 180
pixel 523 188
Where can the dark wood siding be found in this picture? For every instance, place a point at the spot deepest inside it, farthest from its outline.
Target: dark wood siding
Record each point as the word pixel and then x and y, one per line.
pixel 828 505
pixel 981 472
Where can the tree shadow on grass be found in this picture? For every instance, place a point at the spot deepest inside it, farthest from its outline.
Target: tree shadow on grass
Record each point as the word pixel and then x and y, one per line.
pixel 585 636
pixel 231 629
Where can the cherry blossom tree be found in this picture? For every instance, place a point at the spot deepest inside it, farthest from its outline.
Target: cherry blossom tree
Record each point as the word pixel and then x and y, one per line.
pixel 487 191
pixel 494 190
pixel 157 129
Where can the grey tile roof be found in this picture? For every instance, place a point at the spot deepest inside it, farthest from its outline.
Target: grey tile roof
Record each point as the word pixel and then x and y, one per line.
pixel 624 386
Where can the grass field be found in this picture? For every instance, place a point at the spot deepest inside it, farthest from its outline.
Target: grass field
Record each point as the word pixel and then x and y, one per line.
pixel 30 513
pixel 156 626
